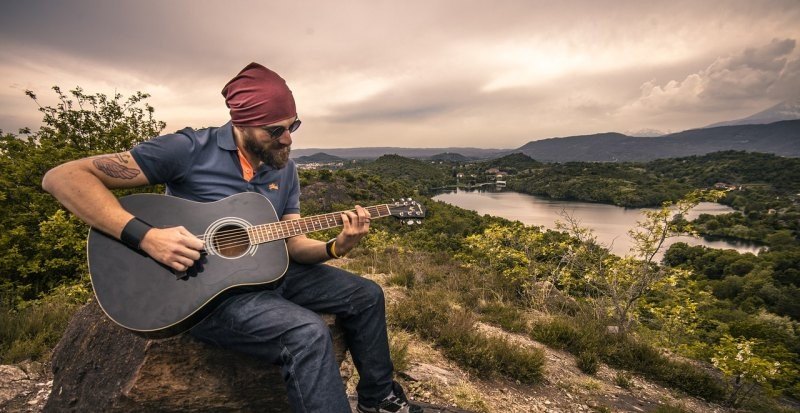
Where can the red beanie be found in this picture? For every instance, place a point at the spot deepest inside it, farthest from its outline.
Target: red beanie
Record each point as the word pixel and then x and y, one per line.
pixel 257 96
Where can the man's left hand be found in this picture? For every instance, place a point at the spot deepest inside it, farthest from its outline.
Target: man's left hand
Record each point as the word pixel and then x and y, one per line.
pixel 356 225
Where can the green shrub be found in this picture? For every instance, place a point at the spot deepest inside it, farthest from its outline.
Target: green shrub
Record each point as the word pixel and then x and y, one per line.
pixel 398 349
pixel 668 408
pixel 487 354
pixel 588 362
pixel 403 277
pixel 574 334
pixel 30 331
pixel 504 315
pixel 623 380
pixel 431 314
pixel 630 354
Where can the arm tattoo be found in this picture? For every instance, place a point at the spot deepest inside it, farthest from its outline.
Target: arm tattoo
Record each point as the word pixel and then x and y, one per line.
pixel 113 169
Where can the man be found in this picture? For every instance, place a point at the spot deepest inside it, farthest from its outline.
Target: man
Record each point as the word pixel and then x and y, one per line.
pixel 251 153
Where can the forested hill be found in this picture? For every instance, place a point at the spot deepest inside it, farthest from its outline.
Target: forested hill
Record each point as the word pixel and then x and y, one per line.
pixel 779 138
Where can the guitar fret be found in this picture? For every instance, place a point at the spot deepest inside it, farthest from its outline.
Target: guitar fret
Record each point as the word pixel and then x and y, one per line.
pixel 285 229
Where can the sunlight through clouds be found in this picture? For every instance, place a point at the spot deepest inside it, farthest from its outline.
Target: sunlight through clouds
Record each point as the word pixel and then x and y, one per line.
pixel 429 73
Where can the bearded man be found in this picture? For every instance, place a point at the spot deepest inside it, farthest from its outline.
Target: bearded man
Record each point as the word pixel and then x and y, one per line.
pixel 279 324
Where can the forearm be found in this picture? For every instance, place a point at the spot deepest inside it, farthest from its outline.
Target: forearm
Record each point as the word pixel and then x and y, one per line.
pixel 306 250
pixel 82 186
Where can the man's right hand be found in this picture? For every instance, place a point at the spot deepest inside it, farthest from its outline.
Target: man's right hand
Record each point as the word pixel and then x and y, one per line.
pixel 174 247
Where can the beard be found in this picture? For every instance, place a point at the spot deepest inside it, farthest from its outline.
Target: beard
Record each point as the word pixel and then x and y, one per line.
pixel 273 154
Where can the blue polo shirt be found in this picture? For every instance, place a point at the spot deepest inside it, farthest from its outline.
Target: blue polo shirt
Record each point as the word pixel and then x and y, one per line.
pixel 203 165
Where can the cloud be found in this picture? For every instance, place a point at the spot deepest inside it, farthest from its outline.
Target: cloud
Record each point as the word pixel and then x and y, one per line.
pixel 751 74
pixel 460 71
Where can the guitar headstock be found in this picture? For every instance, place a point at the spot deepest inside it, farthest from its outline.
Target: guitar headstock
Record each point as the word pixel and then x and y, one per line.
pixel 407 209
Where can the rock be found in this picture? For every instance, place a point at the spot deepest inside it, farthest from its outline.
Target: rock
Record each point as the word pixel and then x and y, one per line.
pixel 13 382
pixel 99 366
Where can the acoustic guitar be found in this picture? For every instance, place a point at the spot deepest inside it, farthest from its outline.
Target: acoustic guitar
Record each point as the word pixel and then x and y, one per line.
pixel 244 250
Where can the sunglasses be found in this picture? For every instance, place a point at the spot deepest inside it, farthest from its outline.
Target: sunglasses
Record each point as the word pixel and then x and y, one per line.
pixel 276 132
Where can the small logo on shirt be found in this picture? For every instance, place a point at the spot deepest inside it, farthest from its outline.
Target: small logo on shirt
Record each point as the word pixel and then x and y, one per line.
pixel 273 187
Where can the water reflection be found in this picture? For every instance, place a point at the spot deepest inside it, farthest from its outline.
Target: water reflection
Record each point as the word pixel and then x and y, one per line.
pixel 608 222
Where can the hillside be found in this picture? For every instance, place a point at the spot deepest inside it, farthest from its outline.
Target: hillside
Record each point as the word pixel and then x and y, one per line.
pixel 319 157
pixel 450 157
pixel 418 153
pixel 779 138
pixel 409 170
pixel 788 110
pixel 515 161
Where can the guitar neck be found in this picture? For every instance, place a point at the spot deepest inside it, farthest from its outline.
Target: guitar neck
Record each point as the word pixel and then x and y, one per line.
pixel 260 234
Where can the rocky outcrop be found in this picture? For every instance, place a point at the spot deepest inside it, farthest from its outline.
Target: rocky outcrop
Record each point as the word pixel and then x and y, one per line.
pixel 24 387
pixel 98 366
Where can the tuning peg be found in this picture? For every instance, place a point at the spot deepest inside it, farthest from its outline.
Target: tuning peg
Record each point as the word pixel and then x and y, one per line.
pixel 419 222
pixel 410 222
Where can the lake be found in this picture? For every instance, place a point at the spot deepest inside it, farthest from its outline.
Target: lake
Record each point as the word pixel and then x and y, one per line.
pixel 609 223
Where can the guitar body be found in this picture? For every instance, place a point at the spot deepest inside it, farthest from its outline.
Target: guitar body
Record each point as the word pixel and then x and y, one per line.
pixel 149 298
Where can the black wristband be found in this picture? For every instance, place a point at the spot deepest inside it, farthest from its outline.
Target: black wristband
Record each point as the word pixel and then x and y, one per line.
pixel 134 231
pixel 329 248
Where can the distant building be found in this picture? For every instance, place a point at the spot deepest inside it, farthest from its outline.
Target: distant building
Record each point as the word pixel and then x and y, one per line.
pixel 725 186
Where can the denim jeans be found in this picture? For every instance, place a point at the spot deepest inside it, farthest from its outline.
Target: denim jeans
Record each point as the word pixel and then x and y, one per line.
pixel 282 327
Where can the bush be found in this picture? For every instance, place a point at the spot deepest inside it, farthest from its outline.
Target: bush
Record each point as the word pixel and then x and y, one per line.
pixel 631 354
pixel 432 315
pixel 32 330
pixel 398 349
pixel 623 380
pixel 504 315
pixel 591 344
pixel 576 335
pixel 588 362
pixel 668 408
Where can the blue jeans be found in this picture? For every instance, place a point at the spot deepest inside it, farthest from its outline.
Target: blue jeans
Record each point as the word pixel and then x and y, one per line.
pixel 282 327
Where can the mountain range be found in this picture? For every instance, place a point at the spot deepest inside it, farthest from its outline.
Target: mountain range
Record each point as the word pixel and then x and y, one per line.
pixel 775 130
pixel 787 110
pixel 779 138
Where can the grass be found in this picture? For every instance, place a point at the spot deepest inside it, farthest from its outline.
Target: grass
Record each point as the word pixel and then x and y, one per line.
pixel 467 397
pixel 30 331
pixel 431 314
pixel 580 336
pixel 588 362
pixel 398 349
pixel 623 380
pixel 668 408
pixel 445 301
pixel 505 315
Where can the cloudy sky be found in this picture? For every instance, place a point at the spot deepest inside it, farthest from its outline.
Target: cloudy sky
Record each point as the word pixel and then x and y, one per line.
pixel 490 74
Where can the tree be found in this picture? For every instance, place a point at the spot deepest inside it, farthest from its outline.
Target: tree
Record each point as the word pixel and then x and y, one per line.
pixel 744 369
pixel 42 244
pixel 618 285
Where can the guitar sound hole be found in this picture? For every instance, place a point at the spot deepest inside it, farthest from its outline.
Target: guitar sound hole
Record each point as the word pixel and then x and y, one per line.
pixel 231 241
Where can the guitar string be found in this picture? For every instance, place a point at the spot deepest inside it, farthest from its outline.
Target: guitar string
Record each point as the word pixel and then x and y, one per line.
pixel 241 236
pixel 284 229
pixel 300 221
pixel 243 239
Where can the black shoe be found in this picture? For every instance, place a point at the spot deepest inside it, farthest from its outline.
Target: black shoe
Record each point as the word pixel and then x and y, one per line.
pixel 395 402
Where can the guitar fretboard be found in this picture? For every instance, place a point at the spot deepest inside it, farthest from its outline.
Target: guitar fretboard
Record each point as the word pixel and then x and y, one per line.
pixel 259 234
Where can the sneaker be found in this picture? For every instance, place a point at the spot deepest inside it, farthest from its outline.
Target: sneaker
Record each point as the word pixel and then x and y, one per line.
pixel 395 402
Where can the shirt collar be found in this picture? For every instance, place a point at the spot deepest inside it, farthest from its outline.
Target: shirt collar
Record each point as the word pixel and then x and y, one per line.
pixel 225 137
pixel 225 141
